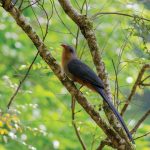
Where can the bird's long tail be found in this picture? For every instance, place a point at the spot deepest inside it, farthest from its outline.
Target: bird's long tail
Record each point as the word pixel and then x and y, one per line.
pixel 106 99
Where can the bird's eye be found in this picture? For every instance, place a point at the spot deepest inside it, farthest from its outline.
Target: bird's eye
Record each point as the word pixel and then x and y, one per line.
pixel 71 51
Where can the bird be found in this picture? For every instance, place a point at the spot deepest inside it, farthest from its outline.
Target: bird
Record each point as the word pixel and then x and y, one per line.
pixel 81 73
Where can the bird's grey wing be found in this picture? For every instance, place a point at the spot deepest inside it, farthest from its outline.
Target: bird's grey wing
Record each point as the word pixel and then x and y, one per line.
pixel 83 72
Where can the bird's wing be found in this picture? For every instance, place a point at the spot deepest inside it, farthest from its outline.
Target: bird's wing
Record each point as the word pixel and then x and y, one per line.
pixel 83 72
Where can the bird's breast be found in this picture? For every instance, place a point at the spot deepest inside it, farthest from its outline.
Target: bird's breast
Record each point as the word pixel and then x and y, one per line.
pixel 65 68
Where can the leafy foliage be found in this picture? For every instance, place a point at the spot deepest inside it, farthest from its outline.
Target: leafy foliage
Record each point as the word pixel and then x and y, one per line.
pixel 40 116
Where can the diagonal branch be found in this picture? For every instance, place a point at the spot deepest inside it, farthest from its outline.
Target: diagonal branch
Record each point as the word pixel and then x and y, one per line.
pixel 52 63
pixel 142 83
pixel 21 82
pixel 145 78
pixel 142 136
pixel 140 121
pixel 119 13
pixel 138 80
pixel 145 84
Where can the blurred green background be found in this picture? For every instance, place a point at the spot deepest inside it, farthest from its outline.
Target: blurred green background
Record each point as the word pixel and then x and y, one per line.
pixel 40 116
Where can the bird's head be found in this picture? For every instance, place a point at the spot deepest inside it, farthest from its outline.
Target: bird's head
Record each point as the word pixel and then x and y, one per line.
pixel 68 52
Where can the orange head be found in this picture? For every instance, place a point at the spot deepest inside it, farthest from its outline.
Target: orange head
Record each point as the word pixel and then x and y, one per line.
pixel 67 54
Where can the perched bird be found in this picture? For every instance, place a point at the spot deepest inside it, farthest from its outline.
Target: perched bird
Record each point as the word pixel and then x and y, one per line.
pixel 81 73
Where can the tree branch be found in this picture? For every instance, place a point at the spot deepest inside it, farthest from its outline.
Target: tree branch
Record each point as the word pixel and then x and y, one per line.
pixel 21 82
pixel 145 84
pixel 145 79
pixel 118 13
pixel 138 80
pixel 140 121
pixel 104 143
pixel 142 136
pixel 52 63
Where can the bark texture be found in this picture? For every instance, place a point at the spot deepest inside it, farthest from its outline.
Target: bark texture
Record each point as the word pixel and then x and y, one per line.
pixel 116 140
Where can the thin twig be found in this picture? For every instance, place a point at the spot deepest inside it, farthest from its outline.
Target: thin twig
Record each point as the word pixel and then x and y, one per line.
pixel 142 136
pixel 84 3
pixel 78 30
pixel 117 71
pixel 77 4
pixel 138 80
pixel 109 37
pixel 15 2
pixel 140 122
pixel 77 38
pixel 29 5
pixel 20 83
pixel 145 78
pixel 101 146
pixel 38 22
pixel 20 4
pixel 74 124
pixel 104 143
pixel 116 85
pixel 118 13
pixel 44 36
pixel 145 84
pixel 48 18
pixel 83 49
pixel 93 138
pixel 63 21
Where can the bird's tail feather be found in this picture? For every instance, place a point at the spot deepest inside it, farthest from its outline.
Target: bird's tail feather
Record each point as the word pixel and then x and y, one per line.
pixel 105 97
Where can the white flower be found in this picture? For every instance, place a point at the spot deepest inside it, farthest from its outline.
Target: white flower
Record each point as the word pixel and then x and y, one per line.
pixel 23 137
pixel 18 45
pixel 129 79
pixel 31 147
pixel 56 144
pixel 42 127
pixel 23 67
pixel 5 77
pixel 133 6
pixel 11 35
pixel 2 26
pixel 36 113
pixel 12 135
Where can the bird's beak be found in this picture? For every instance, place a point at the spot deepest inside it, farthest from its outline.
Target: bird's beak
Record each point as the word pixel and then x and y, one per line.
pixel 63 45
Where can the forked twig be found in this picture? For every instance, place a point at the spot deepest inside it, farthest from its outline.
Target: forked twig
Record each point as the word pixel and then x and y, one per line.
pixel 138 80
pixel 27 73
pixel 74 124
pixel 142 136
pixel 20 83
pixel 140 122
